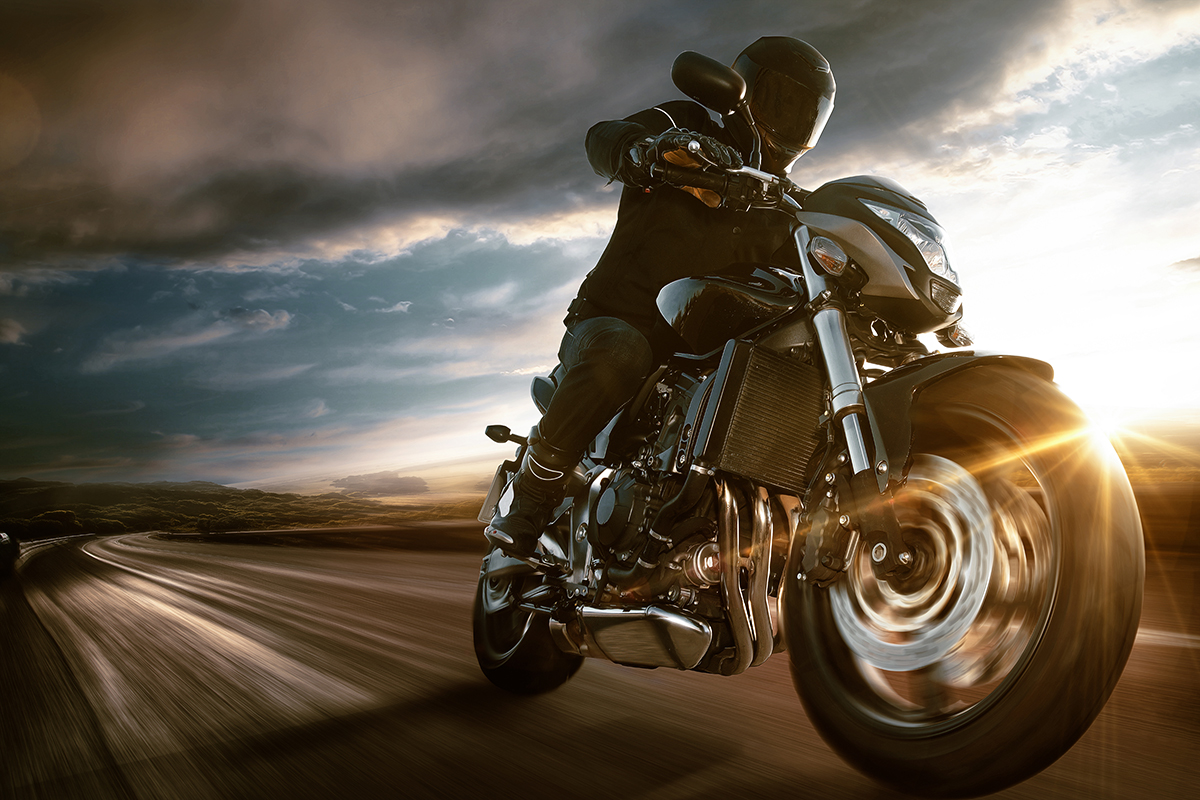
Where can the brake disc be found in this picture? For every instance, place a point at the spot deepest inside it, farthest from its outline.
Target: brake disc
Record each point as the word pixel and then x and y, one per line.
pixel 904 624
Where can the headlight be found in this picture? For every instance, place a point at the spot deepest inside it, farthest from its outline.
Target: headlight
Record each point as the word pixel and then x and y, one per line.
pixel 928 236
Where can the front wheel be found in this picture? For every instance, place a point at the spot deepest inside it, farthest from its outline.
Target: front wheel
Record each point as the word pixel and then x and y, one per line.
pixel 995 652
pixel 513 643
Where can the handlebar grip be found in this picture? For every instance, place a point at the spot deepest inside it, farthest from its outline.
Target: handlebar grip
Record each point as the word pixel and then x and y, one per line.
pixel 682 176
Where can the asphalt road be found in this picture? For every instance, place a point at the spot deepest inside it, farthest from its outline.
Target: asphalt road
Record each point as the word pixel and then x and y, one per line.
pixel 151 668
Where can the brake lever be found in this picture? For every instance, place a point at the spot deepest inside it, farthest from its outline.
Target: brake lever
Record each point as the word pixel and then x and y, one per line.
pixel 754 188
pixel 766 177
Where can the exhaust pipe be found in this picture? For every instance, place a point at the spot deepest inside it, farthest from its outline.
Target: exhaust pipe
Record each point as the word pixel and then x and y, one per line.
pixel 649 636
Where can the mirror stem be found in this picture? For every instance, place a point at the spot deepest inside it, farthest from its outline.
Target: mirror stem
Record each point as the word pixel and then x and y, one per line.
pixel 743 111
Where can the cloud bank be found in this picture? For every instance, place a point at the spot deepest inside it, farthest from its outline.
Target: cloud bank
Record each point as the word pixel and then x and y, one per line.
pixel 244 239
pixel 240 132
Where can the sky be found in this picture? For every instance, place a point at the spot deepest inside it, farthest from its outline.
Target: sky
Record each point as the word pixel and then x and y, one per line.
pixel 292 243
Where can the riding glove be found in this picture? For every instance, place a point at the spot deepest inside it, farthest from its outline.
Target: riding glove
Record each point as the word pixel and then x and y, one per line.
pixel 674 146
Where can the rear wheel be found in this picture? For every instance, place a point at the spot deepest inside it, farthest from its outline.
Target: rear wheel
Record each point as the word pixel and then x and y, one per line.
pixel 994 653
pixel 513 644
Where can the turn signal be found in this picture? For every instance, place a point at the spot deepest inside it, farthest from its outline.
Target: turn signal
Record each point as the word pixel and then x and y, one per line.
pixel 947 299
pixel 829 255
pixel 955 336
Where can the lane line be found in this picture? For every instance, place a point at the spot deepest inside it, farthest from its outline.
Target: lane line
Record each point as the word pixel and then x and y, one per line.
pixel 1152 638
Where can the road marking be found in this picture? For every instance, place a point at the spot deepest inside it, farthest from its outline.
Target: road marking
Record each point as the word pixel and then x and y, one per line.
pixel 1148 636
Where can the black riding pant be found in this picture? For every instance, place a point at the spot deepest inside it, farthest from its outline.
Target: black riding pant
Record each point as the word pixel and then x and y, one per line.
pixel 606 361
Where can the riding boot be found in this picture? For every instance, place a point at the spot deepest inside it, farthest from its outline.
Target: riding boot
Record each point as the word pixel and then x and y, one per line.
pixel 538 488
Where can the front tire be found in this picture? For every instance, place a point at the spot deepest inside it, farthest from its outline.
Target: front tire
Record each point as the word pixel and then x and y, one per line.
pixel 513 644
pixel 997 652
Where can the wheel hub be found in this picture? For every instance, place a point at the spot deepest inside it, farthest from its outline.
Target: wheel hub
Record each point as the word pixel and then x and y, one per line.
pixel 916 619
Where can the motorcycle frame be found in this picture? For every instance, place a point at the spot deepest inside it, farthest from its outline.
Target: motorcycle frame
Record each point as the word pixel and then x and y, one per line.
pixel 870 431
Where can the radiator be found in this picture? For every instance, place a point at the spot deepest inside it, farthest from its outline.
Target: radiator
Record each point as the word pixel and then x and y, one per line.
pixel 764 423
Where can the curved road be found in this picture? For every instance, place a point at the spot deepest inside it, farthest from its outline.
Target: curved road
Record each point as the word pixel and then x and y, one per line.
pixel 148 667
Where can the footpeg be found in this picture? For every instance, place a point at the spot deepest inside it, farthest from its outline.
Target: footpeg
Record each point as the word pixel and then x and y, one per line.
pixel 498 537
pixel 549 564
pixel 540 560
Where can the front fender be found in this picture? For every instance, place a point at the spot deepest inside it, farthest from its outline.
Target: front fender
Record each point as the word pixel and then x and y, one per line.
pixel 889 401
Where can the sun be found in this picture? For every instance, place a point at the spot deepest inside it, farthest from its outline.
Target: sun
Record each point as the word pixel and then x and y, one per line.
pixel 1111 422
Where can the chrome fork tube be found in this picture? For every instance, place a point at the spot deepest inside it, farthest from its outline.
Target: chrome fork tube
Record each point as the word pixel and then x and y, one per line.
pixel 860 460
pixel 829 325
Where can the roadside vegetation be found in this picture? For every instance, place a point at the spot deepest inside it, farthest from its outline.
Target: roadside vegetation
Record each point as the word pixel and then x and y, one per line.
pixel 31 510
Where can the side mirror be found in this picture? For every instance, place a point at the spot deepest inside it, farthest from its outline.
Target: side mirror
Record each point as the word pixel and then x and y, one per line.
pixel 709 82
pixel 502 433
pixel 718 87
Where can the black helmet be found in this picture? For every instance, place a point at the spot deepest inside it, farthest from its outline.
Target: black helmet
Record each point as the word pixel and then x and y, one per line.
pixel 790 86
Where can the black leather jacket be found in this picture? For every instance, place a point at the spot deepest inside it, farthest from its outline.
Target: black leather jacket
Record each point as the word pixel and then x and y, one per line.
pixel 663 234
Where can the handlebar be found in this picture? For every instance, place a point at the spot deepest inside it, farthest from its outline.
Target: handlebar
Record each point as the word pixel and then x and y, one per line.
pixel 683 176
pixel 741 188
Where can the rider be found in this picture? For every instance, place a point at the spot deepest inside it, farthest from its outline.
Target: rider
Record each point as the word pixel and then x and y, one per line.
pixel 615 334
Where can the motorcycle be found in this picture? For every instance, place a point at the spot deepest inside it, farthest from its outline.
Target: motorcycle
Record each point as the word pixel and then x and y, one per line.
pixel 948 552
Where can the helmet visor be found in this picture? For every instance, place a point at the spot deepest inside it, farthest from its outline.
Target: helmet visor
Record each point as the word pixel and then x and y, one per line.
pixel 794 113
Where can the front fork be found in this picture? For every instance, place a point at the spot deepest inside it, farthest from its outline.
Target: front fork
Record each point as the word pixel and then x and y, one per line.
pixel 870 506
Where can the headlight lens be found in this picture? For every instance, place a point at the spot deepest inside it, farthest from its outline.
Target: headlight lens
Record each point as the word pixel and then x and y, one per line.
pixel 928 236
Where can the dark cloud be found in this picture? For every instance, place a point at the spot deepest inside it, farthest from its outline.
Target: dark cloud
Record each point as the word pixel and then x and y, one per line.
pixel 192 130
pixel 381 484
pixel 368 152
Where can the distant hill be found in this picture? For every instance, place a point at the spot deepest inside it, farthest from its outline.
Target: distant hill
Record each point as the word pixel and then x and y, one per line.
pixel 31 509
pixel 1163 463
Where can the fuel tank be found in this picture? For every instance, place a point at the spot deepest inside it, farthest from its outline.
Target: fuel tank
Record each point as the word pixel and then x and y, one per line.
pixel 707 312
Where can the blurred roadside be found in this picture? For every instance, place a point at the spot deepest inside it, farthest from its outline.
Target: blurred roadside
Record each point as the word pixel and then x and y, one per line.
pixel 1162 461
pixel 1170 516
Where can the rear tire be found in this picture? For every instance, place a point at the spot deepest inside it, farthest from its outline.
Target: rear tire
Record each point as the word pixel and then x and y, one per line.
pixel 1058 597
pixel 513 645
